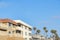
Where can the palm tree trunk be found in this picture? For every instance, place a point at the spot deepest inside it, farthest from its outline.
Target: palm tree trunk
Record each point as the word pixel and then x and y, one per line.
pixel 46 37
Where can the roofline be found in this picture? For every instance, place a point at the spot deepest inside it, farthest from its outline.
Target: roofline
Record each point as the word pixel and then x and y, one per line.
pixel 7 20
pixel 19 21
pixel 15 22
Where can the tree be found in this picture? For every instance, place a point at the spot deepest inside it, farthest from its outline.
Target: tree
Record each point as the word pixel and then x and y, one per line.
pixel 44 28
pixel 34 28
pixel 45 31
pixel 38 31
pixel 57 37
pixel 54 32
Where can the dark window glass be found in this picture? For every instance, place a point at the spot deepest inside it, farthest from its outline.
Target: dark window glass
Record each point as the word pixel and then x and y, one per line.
pixel 30 29
pixel 9 24
pixel 12 31
pixel 29 34
pixel 9 32
pixel 19 24
pixel 18 31
pixel 25 27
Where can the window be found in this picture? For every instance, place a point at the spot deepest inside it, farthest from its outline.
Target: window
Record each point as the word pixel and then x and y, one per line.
pixel 9 32
pixel 29 34
pixel 25 27
pixel 25 38
pixel 9 24
pixel 18 31
pixel 25 33
pixel 12 31
pixel 14 25
pixel 19 24
pixel 30 29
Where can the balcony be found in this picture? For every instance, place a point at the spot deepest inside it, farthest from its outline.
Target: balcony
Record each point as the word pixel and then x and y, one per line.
pixel 3 26
pixel 19 28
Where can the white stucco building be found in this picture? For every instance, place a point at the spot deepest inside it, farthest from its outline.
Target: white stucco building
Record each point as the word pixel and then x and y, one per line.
pixel 25 29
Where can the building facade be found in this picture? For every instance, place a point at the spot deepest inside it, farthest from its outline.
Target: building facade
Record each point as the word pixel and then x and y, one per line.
pixel 15 28
pixel 25 29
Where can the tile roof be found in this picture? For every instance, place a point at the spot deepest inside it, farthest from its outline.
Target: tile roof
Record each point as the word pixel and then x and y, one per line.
pixel 7 20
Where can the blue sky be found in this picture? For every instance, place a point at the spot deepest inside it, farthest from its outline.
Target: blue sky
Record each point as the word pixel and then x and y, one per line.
pixel 38 13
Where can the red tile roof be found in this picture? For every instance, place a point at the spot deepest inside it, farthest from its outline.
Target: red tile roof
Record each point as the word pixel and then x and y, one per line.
pixel 7 20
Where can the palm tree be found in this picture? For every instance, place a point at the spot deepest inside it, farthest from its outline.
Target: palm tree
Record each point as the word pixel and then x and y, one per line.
pixel 44 28
pixel 53 33
pixel 34 28
pixel 45 31
pixel 38 31
pixel 56 37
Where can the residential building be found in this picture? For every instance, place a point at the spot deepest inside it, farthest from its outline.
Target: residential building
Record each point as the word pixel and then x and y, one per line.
pixel 15 28
pixel 25 29
pixel 7 27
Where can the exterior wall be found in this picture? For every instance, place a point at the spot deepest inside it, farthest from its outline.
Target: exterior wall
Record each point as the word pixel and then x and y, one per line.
pixel 5 35
pixel 3 26
pixel 26 33
pixel 11 30
pixel 10 38
pixel 25 30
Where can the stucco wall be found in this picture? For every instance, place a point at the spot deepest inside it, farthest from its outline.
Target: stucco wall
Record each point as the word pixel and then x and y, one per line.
pixel 10 38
